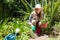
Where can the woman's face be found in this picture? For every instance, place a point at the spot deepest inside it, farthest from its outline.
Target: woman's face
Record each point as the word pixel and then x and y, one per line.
pixel 38 10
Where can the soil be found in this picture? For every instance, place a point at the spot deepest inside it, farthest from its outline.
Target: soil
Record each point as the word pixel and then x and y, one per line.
pixel 45 37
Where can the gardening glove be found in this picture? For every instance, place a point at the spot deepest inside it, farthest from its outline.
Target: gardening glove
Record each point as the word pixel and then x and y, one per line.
pixel 33 28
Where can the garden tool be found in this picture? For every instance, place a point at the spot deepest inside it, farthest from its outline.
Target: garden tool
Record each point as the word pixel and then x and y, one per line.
pixel 12 36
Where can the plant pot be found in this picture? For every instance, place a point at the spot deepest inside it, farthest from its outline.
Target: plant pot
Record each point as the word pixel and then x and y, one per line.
pixel 44 25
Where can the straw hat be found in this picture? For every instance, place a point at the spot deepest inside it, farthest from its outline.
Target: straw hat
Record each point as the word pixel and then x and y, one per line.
pixel 38 6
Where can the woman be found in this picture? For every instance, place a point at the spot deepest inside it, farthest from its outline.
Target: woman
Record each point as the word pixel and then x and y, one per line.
pixel 35 18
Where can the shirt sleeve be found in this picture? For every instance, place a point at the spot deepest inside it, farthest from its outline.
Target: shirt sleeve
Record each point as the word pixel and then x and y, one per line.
pixel 31 15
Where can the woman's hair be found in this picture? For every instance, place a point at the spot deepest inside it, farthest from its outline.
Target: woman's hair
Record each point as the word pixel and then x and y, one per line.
pixel 39 15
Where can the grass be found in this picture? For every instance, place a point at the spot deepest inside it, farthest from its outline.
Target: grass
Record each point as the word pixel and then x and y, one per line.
pixel 9 27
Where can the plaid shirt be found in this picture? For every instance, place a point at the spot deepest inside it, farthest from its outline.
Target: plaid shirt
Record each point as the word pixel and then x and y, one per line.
pixel 34 16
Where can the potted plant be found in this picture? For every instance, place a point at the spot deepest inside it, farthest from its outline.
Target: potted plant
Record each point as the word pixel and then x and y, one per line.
pixel 44 23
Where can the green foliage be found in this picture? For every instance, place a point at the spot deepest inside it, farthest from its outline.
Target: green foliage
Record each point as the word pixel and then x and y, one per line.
pixel 14 14
pixel 9 27
pixel 57 25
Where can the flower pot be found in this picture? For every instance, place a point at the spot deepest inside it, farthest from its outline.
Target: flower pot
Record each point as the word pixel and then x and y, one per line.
pixel 44 25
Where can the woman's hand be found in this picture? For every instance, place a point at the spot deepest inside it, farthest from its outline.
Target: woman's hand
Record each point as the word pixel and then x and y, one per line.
pixel 33 28
pixel 40 23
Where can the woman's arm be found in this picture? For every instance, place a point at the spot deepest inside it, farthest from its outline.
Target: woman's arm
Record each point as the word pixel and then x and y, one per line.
pixel 30 17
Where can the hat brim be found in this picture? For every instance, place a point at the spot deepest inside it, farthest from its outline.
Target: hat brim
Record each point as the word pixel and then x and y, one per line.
pixel 38 8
